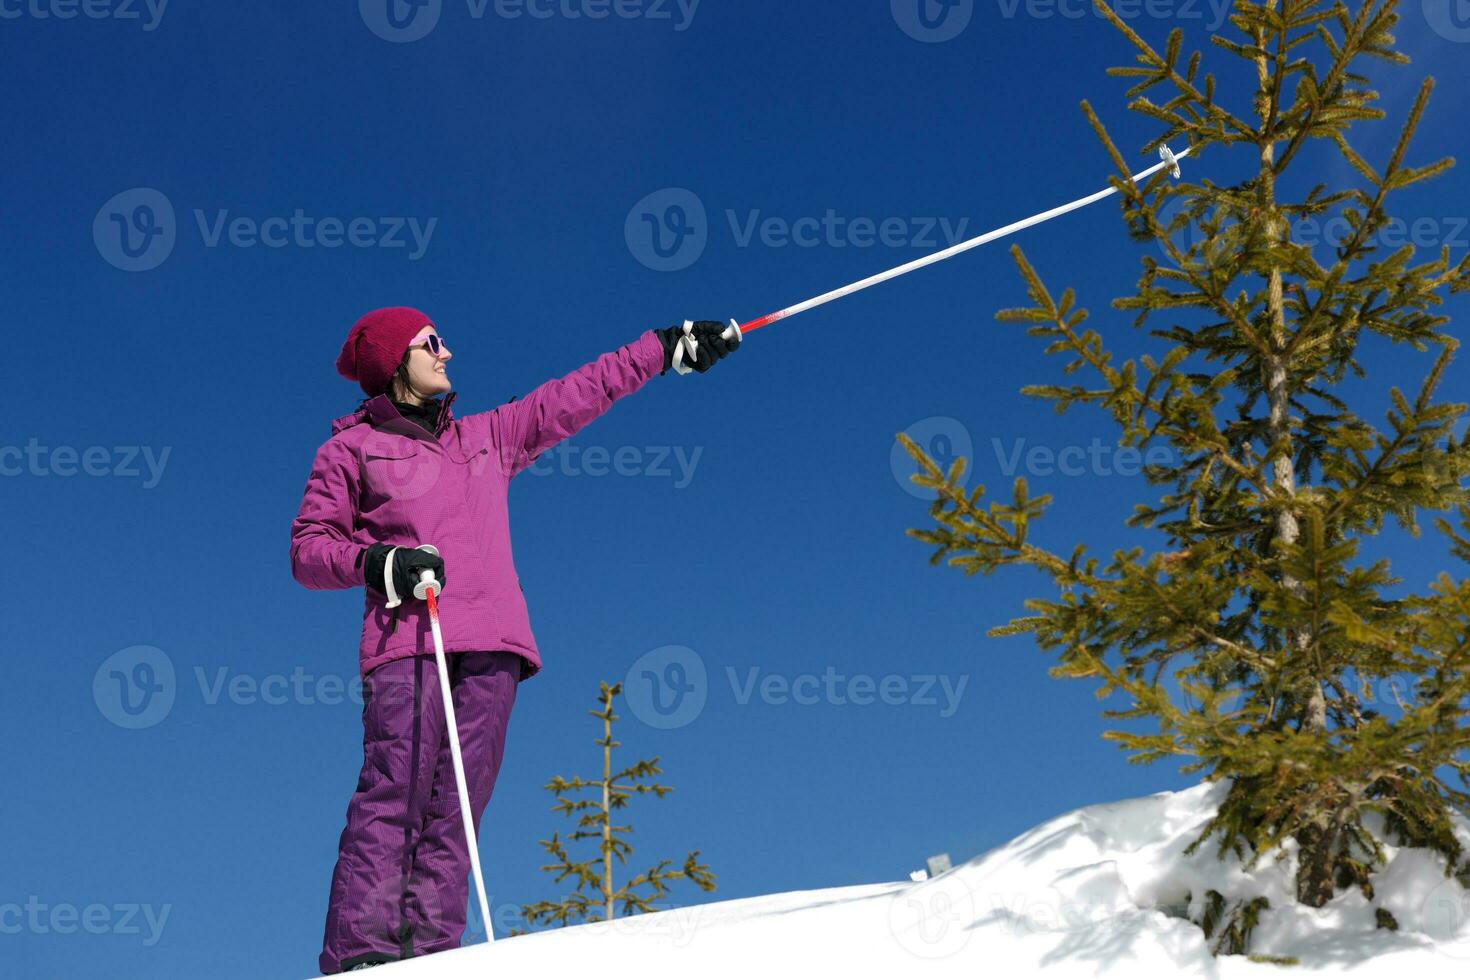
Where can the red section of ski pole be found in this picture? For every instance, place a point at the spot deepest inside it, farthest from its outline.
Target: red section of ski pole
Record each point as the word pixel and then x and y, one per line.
pixel 764 321
pixel 433 604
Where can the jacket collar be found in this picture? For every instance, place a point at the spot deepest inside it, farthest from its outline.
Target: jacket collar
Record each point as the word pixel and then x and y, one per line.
pixel 379 411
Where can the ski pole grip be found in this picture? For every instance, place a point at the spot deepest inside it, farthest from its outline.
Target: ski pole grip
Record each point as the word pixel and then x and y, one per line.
pixel 426 577
pixel 732 332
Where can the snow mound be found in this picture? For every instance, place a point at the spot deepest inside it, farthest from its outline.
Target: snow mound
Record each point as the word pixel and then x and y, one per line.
pixel 1099 892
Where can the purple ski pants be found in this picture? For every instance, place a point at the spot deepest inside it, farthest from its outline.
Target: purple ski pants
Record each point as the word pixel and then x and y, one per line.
pixel 401 886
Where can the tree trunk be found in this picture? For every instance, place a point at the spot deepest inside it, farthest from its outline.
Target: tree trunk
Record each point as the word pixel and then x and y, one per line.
pixel 1316 863
pixel 1317 845
pixel 607 847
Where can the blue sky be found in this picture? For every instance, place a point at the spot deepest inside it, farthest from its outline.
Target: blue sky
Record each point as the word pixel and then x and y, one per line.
pixel 496 172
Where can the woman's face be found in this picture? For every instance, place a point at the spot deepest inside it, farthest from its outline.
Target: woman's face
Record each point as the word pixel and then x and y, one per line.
pixel 426 371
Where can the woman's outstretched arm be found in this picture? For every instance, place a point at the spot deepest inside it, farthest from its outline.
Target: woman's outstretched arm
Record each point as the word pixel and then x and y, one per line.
pixel 558 409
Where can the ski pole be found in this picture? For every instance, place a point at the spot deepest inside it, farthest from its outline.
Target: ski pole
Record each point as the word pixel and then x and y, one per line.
pixel 1170 161
pixel 427 589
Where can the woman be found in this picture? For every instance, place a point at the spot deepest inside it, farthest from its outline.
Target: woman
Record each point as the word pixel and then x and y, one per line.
pixel 399 472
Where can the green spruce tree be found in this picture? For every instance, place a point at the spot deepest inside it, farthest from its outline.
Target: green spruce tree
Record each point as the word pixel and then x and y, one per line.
pixel 1257 604
pixel 611 792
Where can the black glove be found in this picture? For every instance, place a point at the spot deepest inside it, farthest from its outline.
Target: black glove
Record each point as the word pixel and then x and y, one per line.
pixel 709 345
pixel 408 563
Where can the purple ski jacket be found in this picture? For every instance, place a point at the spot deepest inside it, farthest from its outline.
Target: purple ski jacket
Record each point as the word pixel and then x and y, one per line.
pixel 383 478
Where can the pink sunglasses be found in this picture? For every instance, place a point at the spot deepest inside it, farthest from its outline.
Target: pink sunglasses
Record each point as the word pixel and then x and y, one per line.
pixel 434 343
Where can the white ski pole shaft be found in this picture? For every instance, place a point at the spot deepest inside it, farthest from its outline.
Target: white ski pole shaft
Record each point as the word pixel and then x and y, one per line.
pixel 428 589
pixel 1170 161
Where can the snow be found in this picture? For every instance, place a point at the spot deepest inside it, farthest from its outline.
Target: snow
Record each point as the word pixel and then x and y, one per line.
pixel 1097 892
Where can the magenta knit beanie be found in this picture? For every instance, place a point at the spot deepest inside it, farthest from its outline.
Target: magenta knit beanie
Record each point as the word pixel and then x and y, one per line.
pixel 376 345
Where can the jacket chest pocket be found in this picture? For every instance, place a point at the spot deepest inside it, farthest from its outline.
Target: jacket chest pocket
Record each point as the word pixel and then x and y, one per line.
pixel 481 485
pixel 479 467
pixel 400 469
